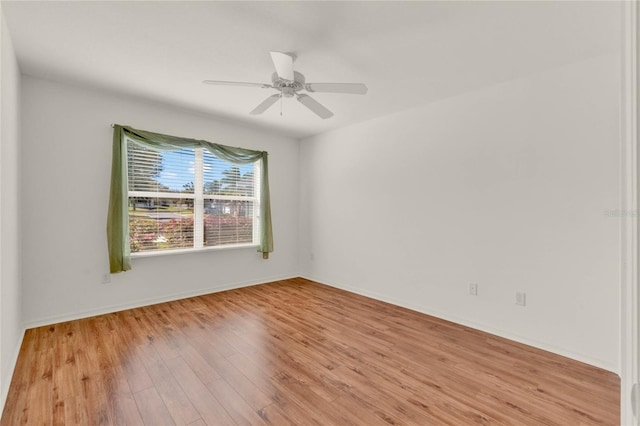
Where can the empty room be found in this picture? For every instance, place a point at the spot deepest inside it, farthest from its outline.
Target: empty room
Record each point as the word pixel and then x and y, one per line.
pixel 319 213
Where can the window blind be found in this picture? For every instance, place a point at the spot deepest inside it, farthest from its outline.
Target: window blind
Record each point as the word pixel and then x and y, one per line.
pixel 188 198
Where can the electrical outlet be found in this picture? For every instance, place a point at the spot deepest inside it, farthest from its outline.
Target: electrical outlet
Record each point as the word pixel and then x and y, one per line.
pixel 521 298
pixel 473 289
pixel 106 278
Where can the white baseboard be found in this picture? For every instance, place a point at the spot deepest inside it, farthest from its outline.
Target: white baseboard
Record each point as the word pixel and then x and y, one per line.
pixel 7 380
pixel 146 302
pixel 462 321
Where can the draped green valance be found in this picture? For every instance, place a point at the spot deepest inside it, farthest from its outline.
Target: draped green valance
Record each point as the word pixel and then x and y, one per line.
pixel 118 215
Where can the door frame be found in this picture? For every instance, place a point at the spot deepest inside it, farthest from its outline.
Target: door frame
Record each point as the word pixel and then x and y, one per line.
pixel 629 291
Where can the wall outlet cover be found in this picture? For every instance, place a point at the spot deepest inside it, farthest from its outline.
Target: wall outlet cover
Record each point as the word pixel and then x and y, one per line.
pixel 473 289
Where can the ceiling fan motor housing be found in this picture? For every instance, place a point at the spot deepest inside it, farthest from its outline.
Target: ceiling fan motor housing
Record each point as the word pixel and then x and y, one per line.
pixel 287 87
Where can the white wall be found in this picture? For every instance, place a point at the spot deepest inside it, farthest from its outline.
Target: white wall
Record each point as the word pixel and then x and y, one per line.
pixel 506 187
pixel 11 329
pixel 66 149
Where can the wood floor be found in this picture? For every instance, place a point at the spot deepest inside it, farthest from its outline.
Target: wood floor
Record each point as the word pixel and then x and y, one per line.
pixel 294 353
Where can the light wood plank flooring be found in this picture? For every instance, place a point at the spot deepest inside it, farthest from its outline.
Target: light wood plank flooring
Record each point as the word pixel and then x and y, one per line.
pixel 294 352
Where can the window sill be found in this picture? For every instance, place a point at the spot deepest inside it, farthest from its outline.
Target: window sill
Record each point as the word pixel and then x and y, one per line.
pixel 187 251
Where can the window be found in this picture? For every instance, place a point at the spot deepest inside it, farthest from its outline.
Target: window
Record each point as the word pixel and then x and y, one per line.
pixel 187 198
pixel 222 205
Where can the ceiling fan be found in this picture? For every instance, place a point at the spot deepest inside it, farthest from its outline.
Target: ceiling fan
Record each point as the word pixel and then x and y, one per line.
pixel 289 82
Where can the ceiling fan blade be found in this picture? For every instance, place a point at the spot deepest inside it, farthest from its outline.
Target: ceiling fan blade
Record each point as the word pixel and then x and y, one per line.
pixel 315 106
pixel 283 64
pixel 266 104
pixel 352 88
pixel 237 83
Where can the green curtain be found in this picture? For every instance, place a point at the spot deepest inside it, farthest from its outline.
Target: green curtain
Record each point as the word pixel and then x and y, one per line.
pixel 118 215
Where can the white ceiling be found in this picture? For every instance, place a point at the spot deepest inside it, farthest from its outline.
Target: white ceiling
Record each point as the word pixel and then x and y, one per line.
pixel 407 53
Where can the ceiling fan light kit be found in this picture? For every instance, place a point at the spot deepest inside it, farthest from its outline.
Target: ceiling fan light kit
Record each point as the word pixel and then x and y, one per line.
pixel 289 83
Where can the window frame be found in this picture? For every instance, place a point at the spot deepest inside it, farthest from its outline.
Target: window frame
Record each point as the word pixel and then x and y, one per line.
pixel 199 197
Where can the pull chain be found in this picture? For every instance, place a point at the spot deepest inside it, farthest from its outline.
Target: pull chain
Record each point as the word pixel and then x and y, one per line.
pixel 281 102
